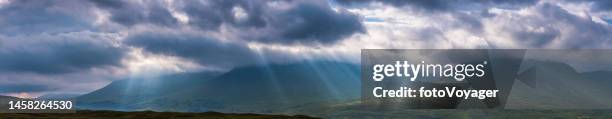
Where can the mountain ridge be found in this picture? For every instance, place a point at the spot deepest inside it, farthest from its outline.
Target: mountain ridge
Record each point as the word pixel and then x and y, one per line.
pixel 243 89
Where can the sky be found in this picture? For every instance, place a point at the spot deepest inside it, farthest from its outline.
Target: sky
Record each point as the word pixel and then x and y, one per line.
pixel 78 46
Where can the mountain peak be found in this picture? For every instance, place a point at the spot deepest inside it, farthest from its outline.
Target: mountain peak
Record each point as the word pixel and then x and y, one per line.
pixel 249 86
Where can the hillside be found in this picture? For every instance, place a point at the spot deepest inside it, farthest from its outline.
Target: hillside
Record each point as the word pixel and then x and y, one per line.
pixel 4 102
pixel 125 94
pixel 59 96
pixel 315 88
pixel 559 86
pixel 261 88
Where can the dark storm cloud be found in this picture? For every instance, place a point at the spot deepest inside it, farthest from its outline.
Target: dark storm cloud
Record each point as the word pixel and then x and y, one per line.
pixel 603 5
pixel 551 26
pixel 34 16
pixel 211 14
pixel 20 88
pixel 47 44
pixel 446 5
pixel 585 32
pixel 204 50
pixel 50 54
pixel 301 22
pixel 546 33
pixel 304 22
pixel 471 22
pixel 126 13
pixel 554 23
pixel 311 22
pixel 596 5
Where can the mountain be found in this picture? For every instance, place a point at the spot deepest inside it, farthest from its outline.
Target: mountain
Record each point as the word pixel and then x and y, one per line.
pixel 127 93
pixel 560 90
pixel 560 86
pixel 3 97
pixel 259 88
pixel 59 96
pixel 325 89
pixel 4 102
pixel 7 97
pixel 603 77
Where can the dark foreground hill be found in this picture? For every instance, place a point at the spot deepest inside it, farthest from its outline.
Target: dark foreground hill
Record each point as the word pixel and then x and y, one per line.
pixel 147 115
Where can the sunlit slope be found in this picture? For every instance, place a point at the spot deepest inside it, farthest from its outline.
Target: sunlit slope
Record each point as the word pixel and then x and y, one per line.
pixel 126 94
pixel 258 88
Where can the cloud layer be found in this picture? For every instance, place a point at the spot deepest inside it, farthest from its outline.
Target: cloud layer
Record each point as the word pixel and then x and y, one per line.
pixel 284 22
pixel 61 53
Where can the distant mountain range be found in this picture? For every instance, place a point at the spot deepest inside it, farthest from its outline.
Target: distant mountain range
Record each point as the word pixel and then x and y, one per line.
pixel 322 88
pixel 133 94
pixel 260 88
pixel 559 86
pixel 7 97
pixel 59 96
pixel 4 102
